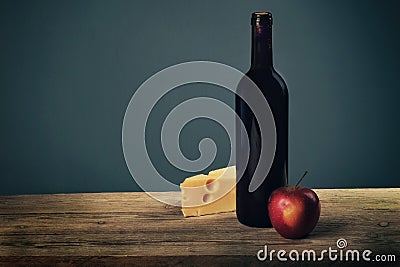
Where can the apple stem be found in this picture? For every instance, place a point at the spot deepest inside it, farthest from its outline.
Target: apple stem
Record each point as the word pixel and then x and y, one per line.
pixel 299 181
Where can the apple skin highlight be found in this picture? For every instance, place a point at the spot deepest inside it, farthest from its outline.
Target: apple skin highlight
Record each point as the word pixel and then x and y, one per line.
pixel 294 211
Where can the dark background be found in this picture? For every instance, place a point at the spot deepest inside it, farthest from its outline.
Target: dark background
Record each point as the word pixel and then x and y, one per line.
pixel 69 68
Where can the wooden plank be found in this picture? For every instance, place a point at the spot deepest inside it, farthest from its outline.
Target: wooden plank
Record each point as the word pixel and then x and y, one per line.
pixel 129 228
pixel 83 203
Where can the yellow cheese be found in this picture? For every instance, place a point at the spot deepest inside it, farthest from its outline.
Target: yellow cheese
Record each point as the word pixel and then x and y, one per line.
pixel 208 194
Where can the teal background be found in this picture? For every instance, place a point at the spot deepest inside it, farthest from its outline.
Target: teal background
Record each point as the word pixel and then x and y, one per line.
pixel 69 68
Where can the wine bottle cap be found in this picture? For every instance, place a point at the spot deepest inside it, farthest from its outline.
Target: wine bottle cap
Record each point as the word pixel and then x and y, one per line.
pixel 261 18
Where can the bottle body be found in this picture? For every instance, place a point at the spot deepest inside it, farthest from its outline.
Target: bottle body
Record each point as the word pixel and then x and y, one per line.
pixel 252 207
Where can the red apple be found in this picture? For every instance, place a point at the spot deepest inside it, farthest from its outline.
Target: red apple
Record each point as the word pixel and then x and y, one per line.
pixel 294 210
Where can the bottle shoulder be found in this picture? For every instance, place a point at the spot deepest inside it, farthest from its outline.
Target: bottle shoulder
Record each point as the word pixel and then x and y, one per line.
pixel 269 77
pixel 280 80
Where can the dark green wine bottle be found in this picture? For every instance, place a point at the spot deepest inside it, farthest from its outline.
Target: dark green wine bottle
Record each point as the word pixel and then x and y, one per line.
pixel 251 207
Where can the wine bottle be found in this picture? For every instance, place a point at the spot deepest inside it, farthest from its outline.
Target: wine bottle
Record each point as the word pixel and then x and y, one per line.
pixel 252 207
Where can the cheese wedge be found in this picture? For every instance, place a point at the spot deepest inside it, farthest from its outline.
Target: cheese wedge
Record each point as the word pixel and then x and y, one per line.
pixel 208 194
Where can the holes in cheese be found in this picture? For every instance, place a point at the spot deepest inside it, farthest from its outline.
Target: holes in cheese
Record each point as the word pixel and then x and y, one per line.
pixel 212 185
pixel 207 198
pixel 207 194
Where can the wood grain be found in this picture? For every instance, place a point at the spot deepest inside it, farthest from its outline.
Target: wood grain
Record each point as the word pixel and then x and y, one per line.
pixel 134 229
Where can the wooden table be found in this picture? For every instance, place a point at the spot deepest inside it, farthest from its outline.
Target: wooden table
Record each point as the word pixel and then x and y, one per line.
pixel 134 229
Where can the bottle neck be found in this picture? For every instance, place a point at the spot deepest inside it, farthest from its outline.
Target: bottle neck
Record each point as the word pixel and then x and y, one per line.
pixel 261 52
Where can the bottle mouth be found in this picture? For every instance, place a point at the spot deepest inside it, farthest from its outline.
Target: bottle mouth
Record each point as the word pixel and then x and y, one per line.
pixel 261 18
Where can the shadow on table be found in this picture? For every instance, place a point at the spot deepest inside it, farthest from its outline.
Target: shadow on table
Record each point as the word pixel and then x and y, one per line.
pixel 328 226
